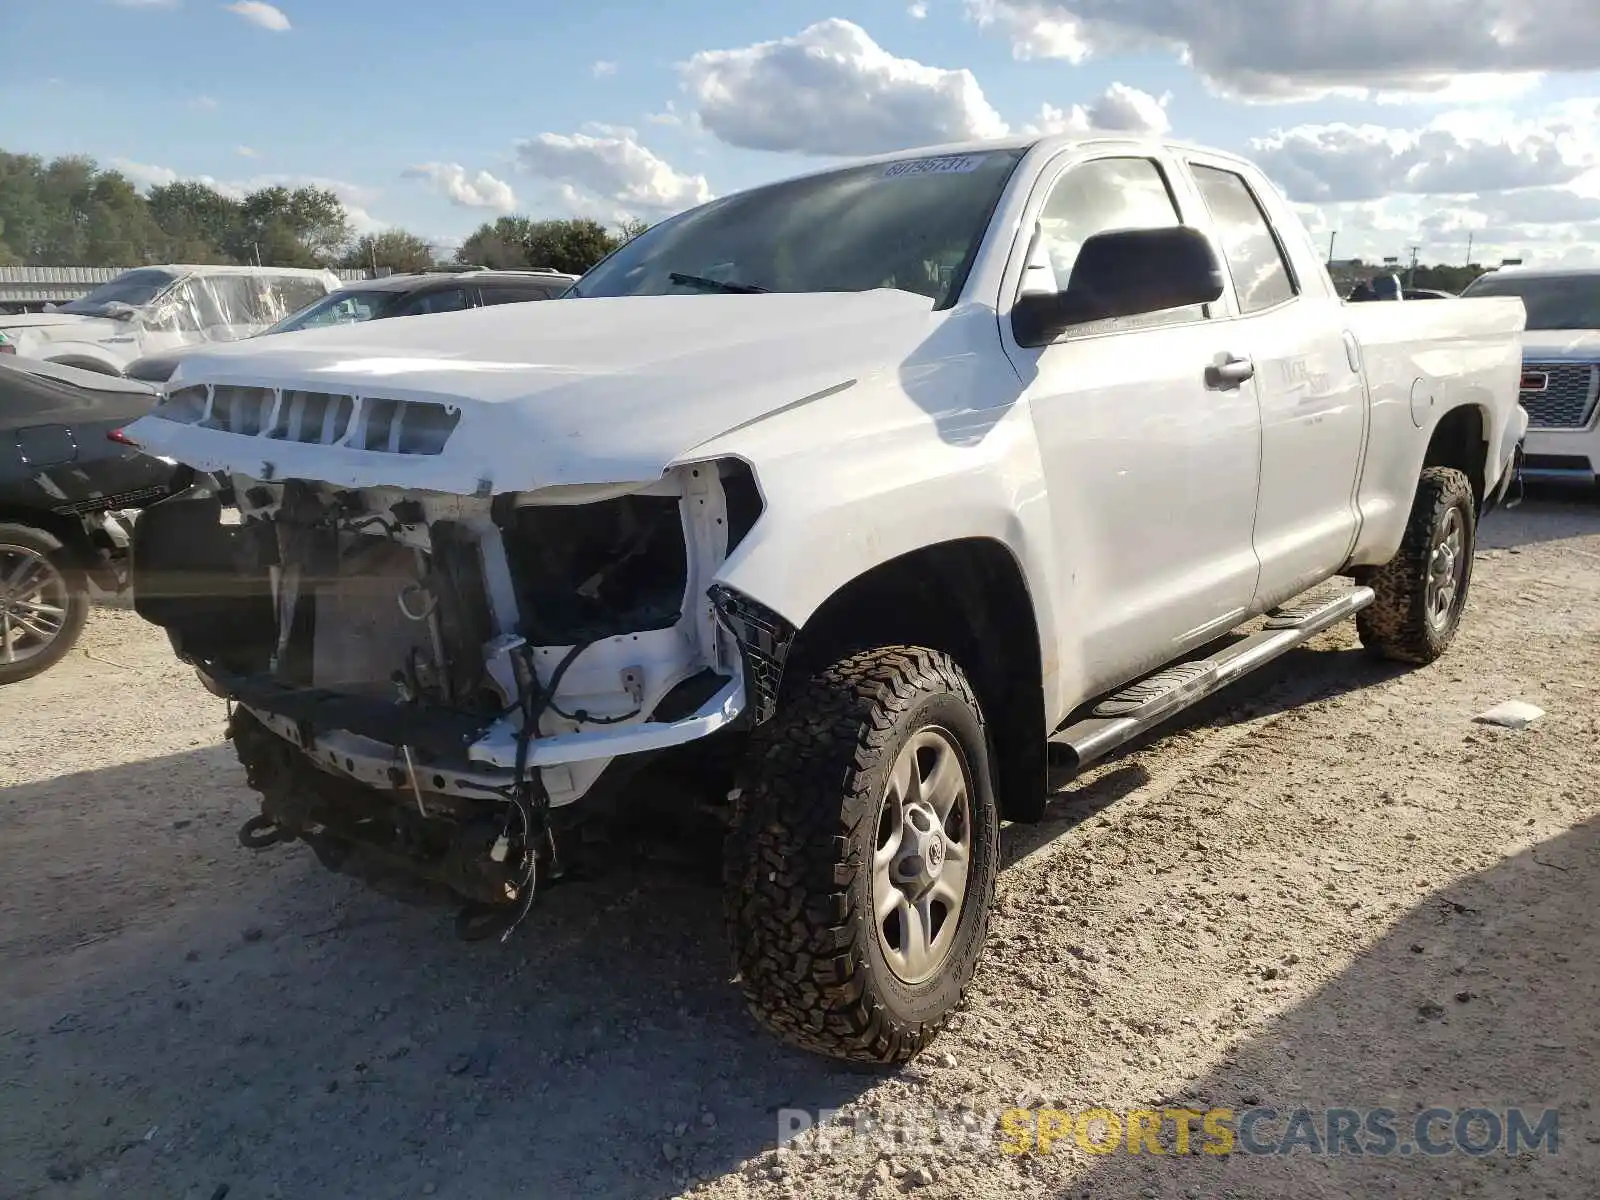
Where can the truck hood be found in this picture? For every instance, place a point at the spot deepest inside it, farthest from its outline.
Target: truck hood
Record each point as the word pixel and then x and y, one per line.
pixel 605 390
pixel 1561 345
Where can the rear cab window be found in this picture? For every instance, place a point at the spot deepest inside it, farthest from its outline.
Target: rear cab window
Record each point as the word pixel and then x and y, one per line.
pixel 1262 276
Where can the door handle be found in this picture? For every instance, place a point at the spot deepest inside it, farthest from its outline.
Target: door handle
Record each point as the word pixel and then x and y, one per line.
pixel 1230 373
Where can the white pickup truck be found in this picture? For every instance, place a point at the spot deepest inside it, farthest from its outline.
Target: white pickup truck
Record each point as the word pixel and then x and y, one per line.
pixel 864 495
pixel 151 310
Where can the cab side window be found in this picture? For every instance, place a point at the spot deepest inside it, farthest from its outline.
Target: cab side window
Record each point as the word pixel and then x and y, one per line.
pixel 1096 197
pixel 1261 274
pixel 443 300
pixel 519 293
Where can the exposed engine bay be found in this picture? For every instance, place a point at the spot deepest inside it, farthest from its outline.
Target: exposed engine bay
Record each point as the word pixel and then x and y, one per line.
pixel 419 682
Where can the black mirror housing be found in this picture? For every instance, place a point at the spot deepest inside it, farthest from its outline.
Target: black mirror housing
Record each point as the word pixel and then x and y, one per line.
pixel 1124 273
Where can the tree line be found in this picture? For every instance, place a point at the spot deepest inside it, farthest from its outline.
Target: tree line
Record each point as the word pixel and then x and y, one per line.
pixel 71 212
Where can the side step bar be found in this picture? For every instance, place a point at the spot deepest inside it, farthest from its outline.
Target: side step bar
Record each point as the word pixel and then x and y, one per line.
pixel 1122 716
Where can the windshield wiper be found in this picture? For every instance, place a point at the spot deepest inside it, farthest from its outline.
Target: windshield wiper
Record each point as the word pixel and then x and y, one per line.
pixel 715 285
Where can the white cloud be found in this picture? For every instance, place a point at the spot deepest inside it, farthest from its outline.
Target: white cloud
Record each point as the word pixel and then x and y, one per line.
pixel 145 175
pixel 917 11
pixel 204 103
pixel 354 196
pixel 246 152
pixel 832 90
pixel 606 166
pixel 1277 50
pixel 604 69
pixel 482 190
pixel 1121 109
pixel 1489 228
pixel 262 14
pixel 1034 30
pixel 1456 153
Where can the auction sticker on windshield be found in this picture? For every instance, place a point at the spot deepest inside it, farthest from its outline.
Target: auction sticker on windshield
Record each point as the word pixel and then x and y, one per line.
pixel 950 164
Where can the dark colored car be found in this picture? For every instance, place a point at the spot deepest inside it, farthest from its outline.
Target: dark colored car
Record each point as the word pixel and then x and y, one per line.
pixel 65 476
pixel 410 295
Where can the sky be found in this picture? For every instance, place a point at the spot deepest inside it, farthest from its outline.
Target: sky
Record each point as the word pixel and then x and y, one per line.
pixel 1393 124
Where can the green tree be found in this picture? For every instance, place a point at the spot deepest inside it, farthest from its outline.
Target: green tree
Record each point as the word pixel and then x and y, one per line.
pixel 197 221
pixel 395 249
pixel 283 227
pixel 572 245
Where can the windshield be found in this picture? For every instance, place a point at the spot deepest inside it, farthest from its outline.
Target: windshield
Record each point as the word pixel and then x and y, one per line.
pixel 342 307
pixel 914 224
pixel 1552 301
pixel 134 288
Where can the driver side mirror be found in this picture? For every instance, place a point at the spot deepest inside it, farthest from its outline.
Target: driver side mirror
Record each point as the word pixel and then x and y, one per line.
pixel 1123 273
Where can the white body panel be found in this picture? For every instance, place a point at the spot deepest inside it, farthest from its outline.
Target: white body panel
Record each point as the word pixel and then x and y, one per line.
pixel 1147 511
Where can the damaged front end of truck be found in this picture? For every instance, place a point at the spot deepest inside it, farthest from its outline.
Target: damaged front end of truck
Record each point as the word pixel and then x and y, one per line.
pixel 423 682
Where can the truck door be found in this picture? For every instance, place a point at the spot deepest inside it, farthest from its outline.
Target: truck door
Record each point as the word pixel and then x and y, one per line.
pixel 1289 332
pixel 1151 470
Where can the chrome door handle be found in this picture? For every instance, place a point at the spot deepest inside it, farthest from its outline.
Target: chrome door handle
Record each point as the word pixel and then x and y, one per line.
pixel 1230 373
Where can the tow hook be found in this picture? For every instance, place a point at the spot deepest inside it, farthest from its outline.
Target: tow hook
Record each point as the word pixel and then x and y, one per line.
pixel 260 833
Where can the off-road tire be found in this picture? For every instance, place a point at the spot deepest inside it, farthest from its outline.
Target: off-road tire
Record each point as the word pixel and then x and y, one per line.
pixel 797 873
pixel 1395 626
pixel 77 614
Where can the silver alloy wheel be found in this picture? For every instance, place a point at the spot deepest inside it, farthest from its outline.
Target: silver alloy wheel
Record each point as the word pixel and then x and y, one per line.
pixel 33 604
pixel 1447 568
pixel 922 854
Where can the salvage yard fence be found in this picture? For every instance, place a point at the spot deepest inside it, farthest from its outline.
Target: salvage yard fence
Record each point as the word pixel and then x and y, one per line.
pixel 33 287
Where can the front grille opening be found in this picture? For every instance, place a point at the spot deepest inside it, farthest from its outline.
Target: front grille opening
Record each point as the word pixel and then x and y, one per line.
pixel 426 428
pixel 405 426
pixel 185 406
pixel 1559 395
pixel 245 410
pixel 313 417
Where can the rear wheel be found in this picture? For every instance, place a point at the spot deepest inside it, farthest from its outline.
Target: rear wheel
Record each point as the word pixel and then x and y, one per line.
pixel 44 602
pixel 862 862
pixel 1421 591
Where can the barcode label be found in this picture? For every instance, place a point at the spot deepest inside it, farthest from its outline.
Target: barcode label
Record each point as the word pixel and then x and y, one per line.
pixel 952 164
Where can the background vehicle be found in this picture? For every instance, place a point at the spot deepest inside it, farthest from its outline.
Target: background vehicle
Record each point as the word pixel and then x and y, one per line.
pixel 1560 367
pixel 859 496
pixel 396 296
pixel 152 309
pixel 66 478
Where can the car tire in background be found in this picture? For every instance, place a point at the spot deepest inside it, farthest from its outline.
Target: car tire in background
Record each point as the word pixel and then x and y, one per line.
pixel 44 602
pixel 861 864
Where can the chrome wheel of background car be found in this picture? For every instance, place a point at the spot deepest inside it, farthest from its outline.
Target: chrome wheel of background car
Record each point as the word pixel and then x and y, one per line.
pixel 33 604
pixel 1447 566
pixel 922 854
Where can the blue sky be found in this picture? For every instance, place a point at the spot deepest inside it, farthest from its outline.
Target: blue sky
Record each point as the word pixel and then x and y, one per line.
pixel 437 118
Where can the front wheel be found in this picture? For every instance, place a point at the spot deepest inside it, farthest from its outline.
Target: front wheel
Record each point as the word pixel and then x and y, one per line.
pixel 861 865
pixel 44 602
pixel 1423 589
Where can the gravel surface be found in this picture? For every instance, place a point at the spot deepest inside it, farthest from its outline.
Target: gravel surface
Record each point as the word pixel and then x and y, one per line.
pixel 1330 886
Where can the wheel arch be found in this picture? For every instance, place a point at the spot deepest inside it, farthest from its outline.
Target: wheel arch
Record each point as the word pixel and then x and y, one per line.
pixel 968 597
pixel 67 530
pixel 85 362
pixel 1460 439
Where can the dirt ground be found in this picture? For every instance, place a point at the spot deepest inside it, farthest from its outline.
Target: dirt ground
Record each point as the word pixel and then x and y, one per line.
pixel 1329 887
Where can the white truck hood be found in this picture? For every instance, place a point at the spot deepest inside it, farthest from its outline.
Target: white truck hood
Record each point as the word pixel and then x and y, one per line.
pixel 1561 345
pixel 582 391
